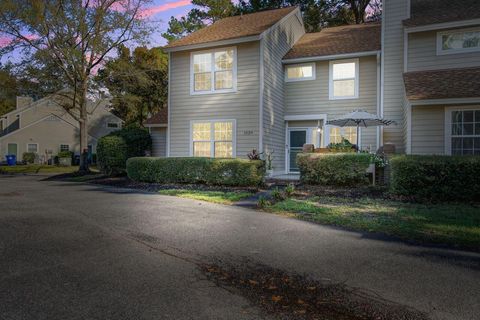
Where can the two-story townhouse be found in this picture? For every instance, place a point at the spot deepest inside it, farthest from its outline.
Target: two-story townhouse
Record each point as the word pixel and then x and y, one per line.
pixel 442 77
pixel 258 81
pixel 45 128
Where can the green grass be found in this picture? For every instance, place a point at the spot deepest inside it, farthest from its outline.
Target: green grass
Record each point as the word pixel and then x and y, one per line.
pixel 451 224
pixel 35 168
pixel 209 196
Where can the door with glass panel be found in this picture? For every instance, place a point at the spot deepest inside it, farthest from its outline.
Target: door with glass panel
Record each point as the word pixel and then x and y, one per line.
pixel 296 139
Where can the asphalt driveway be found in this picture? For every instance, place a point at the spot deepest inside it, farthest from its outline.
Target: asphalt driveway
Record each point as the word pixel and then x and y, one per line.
pixel 72 251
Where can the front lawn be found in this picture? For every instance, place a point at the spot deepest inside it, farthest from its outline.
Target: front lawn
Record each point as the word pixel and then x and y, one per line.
pixel 222 197
pixel 451 224
pixel 36 168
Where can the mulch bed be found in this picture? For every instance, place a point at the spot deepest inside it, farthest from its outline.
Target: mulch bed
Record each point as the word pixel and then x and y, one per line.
pixel 290 296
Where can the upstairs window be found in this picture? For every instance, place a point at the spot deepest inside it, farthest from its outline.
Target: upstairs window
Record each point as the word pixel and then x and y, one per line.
pixel 113 125
pixel 213 71
pixel 213 139
pixel 458 41
pixel 343 79
pixel 300 72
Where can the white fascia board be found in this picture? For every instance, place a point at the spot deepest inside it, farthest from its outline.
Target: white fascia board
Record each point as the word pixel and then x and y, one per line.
pixel 213 44
pixel 445 25
pixel 302 117
pixel 452 101
pixel 332 57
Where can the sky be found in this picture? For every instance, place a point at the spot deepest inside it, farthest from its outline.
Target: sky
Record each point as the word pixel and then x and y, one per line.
pixel 158 12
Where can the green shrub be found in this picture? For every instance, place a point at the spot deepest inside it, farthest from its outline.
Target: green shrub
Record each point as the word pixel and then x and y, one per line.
pixel 343 146
pixel 138 140
pixel 436 178
pixel 340 169
pixel 29 157
pixel 65 154
pixel 112 155
pixel 228 172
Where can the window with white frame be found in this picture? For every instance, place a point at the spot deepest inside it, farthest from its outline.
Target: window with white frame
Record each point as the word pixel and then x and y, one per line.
pixel 64 147
pixel 458 41
pixel 465 132
pixel 343 79
pixel 32 147
pixel 113 125
pixel 336 134
pixel 213 71
pixel 214 139
pixel 300 72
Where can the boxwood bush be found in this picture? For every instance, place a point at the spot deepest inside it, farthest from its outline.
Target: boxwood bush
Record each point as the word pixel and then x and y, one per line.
pixel 132 142
pixel 436 178
pixel 227 172
pixel 338 169
pixel 112 155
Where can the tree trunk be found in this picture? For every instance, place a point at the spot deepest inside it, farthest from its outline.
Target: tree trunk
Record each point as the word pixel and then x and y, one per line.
pixel 83 130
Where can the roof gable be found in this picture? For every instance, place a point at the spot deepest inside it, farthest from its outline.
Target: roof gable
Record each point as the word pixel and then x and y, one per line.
pixel 240 26
pixel 338 40
pixel 425 12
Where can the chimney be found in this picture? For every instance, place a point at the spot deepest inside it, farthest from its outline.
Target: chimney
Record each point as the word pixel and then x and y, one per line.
pixel 23 102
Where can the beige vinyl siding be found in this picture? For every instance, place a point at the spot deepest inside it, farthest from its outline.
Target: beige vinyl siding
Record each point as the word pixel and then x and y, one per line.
pixel 428 130
pixel 159 142
pixel 276 44
pixel 422 54
pixel 242 106
pixel 49 134
pixel 394 12
pixel 311 97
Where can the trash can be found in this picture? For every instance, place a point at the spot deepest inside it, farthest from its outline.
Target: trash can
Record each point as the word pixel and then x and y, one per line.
pixel 11 159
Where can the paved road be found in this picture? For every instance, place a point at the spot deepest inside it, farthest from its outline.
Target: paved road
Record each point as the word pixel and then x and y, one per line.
pixel 71 251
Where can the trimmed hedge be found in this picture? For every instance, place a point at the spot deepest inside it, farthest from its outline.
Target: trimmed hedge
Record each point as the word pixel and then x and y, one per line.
pixel 340 169
pixel 436 178
pixel 138 140
pixel 131 142
pixel 112 155
pixel 227 172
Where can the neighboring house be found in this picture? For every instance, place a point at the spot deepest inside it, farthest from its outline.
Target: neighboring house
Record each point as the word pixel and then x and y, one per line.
pixel 258 81
pixel 45 128
pixel 157 126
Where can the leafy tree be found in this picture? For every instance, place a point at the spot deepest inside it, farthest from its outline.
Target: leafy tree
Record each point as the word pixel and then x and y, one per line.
pixel 8 90
pixel 137 82
pixel 77 36
pixel 206 12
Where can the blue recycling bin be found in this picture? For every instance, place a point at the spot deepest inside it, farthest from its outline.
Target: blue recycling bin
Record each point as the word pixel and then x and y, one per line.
pixel 11 159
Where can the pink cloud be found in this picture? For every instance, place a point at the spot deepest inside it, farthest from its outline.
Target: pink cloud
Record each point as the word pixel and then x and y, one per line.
pixel 148 12
pixel 5 40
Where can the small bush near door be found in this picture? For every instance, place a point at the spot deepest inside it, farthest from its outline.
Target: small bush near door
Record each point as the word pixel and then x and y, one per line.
pixel 436 178
pixel 29 157
pixel 340 169
pixel 227 172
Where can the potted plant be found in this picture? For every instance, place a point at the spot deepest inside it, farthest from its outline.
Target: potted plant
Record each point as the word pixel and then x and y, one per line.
pixel 269 163
pixel 65 158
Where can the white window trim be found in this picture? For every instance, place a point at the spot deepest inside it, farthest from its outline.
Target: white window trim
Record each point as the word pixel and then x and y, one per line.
pixel 212 90
pixel 9 143
pixel 212 135
pixel 112 122
pixel 313 77
pixel 326 135
pixel 448 125
pixel 26 149
pixel 441 52
pixel 63 144
pixel 357 79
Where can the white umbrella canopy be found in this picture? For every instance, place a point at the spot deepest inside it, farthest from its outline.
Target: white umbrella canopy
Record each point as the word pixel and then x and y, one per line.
pixel 360 118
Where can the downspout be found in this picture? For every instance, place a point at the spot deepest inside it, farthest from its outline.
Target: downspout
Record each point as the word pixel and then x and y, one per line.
pixel 262 89
pixel 169 105
pixel 379 98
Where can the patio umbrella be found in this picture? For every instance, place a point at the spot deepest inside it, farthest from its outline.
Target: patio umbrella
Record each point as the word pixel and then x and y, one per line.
pixel 360 118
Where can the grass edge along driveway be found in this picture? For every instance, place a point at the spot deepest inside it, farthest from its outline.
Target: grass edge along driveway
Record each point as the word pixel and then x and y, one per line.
pixel 456 225
pixel 220 197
